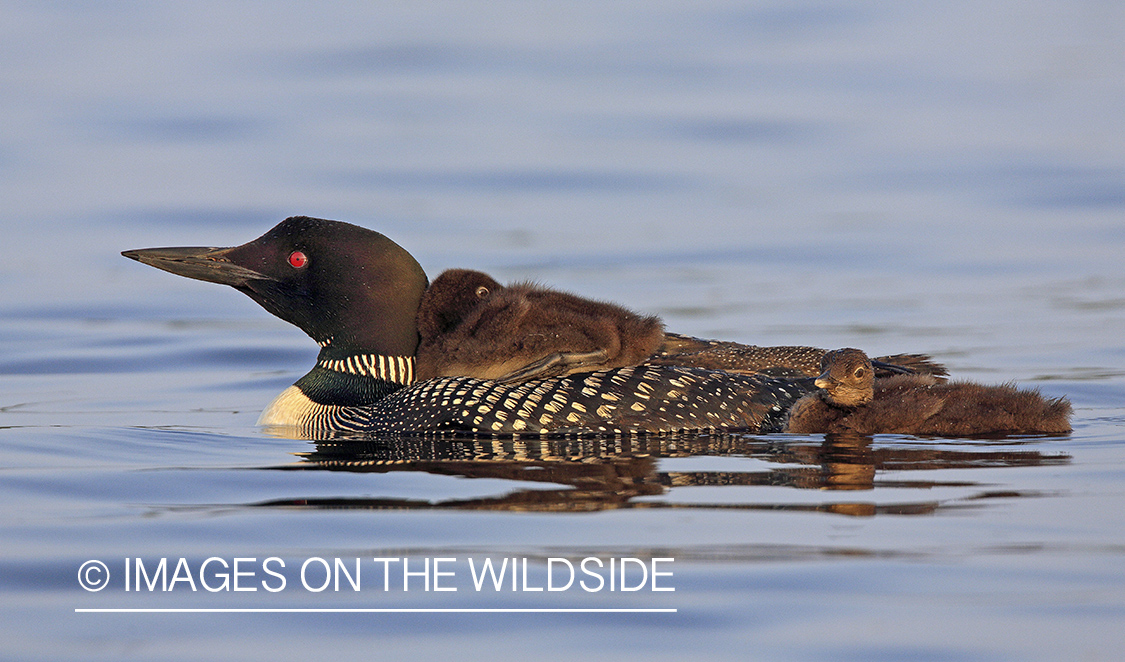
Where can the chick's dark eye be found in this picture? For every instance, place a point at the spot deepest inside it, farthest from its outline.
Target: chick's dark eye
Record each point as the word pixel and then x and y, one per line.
pixel 297 259
pixel 859 373
pixel 482 292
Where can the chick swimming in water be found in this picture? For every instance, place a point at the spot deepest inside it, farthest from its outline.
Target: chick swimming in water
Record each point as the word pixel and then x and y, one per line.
pixel 853 400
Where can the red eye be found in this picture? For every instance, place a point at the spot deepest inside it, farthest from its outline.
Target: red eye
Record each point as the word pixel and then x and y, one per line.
pixel 297 259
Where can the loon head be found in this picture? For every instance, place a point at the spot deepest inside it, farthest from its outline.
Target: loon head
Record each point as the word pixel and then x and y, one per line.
pixel 351 289
pixel 453 295
pixel 848 378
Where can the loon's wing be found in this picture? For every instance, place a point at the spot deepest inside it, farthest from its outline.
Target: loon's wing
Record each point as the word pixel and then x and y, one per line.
pixel 556 364
pixel 778 361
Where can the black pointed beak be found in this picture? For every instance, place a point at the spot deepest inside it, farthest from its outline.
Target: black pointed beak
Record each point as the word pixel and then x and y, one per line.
pixel 206 264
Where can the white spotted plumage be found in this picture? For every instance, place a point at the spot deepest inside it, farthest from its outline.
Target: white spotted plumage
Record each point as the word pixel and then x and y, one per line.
pixel 635 400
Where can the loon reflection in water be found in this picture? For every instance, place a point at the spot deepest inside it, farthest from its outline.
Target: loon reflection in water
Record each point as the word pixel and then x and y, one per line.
pixel 611 473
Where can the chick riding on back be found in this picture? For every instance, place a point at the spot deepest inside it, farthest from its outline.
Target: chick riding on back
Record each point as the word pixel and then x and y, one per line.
pixel 472 326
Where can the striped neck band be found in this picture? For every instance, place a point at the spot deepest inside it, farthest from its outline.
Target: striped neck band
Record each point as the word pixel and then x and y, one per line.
pixel 398 369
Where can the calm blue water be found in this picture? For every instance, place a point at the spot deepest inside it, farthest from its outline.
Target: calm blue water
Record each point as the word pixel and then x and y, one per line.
pixel 946 179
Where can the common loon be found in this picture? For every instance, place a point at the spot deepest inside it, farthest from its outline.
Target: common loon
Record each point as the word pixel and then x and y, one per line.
pixel 852 400
pixel 357 294
pixel 472 326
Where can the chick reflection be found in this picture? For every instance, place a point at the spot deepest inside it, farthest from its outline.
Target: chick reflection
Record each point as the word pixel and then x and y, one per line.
pixel 601 474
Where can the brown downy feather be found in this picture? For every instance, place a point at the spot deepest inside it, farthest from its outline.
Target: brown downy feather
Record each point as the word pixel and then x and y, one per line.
pixel 852 400
pixel 472 326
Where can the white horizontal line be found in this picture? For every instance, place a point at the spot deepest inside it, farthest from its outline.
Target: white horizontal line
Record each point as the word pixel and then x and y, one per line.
pixel 369 610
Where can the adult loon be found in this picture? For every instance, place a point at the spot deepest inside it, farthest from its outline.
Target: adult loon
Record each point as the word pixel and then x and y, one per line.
pixel 471 325
pixel 852 400
pixel 357 294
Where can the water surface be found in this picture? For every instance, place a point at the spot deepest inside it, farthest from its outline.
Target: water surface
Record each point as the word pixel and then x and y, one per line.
pixel 946 180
